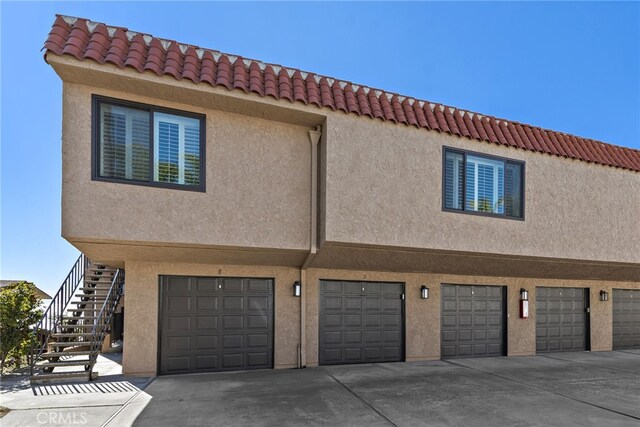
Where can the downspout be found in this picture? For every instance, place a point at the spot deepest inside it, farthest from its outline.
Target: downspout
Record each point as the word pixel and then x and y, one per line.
pixel 314 138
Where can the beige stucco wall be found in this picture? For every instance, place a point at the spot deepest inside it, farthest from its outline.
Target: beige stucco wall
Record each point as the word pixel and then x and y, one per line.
pixel 257 185
pixel 422 327
pixel 384 187
pixel 141 314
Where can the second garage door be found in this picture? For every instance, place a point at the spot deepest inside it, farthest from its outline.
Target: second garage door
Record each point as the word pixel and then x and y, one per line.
pixel 473 321
pixel 626 318
pixel 561 319
pixel 361 322
pixel 215 324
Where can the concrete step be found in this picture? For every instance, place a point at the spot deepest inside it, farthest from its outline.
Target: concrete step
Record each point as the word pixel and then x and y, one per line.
pixel 69 344
pixel 74 362
pixel 79 317
pixel 52 354
pixel 73 376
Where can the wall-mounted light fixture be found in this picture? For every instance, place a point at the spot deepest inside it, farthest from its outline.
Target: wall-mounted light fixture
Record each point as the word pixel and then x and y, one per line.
pixel 604 296
pixel 424 292
pixel 524 304
pixel 297 289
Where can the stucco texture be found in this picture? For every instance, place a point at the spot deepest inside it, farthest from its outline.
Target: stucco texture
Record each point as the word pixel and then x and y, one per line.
pixel 384 188
pixel 257 186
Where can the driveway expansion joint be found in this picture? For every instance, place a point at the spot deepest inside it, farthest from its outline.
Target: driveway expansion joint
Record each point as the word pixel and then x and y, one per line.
pixel 360 398
pixel 590 364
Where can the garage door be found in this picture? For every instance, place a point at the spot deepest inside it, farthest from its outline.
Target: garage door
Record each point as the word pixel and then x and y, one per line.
pixel 473 321
pixel 626 318
pixel 361 322
pixel 561 319
pixel 215 324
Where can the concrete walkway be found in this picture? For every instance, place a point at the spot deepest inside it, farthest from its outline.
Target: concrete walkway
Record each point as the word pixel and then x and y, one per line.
pixel 105 401
pixel 560 389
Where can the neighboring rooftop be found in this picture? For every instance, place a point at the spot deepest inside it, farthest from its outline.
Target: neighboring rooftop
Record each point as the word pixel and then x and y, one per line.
pixel 84 39
pixel 39 292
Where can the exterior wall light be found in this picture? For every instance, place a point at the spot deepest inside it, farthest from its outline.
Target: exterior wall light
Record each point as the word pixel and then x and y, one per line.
pixel 524 304
pixel 297 289
pixel 424 292
pixel 604 296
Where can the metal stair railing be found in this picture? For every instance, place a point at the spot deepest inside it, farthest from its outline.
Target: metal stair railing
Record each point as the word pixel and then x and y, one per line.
pixel 103 320
pixel 52 318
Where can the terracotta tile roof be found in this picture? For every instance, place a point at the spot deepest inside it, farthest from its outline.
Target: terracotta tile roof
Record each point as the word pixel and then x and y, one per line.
pixel 84 39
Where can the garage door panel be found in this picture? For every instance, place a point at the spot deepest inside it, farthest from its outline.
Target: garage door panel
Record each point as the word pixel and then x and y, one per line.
pixel 232 322
pixel 372 353
pixel 206 342
pixel 226 322
pixel 352 320
pixel 206 303
pixel 332 321
pixel 258 321
pixel 232 285
pixel 233 303
pixel 258 304
pixel 372 320
pixel 179 304
pixel 333 303
pixel 178 323
pixel 472 321
pixel 179 343
pixel 626 318
pixel 561 319
pixel 353 303
pixel 179 285
pixel 206 323
pixel 205 284
pixel 360 322
pixel 258 360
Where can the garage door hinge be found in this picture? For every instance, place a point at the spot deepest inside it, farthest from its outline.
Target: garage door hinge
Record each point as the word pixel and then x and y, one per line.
pixel 402 296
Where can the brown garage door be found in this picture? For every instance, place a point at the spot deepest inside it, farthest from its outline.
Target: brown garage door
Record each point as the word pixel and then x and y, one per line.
pixel 215 324
pixel 626 318
pixel 361 322
pixel 562 322
pixel 473 321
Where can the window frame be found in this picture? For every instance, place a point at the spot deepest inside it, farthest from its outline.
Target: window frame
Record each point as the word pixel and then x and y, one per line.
pixel 97 100
pixel 464 153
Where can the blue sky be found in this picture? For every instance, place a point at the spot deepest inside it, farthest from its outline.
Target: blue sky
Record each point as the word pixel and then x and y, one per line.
pixel 572 67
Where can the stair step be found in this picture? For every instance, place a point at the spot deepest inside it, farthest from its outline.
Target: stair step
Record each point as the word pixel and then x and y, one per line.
pixel 70 344
pixel 72 334
pixel 78 317
pixel 92 296
pixel 84 326
pixel 75 310
pixel 87 302
pixel 53 354
pixel 63 376
pixel 74 362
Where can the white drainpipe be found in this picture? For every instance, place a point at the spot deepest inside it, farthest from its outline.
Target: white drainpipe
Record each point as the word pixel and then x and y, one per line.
pixel 314 137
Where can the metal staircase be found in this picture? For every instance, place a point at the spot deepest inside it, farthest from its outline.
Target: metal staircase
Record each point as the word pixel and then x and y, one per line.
pixel 68 338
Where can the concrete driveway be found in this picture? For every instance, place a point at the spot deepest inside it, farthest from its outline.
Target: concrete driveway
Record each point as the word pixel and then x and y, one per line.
pixel 581 389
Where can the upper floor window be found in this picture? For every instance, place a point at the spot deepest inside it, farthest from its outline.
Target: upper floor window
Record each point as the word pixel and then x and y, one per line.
pixel 478 183
pixel 148 145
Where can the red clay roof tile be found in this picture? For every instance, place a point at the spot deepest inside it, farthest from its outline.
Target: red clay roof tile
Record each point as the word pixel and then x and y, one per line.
pixel 86 40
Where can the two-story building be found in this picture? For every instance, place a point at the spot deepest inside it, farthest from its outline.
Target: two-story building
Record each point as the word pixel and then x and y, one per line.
pixel 268 217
